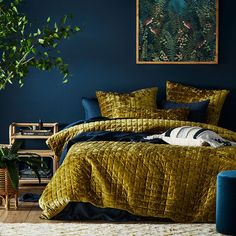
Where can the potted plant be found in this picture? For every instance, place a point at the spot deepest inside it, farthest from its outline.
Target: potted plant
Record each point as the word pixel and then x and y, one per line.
pixel 10 159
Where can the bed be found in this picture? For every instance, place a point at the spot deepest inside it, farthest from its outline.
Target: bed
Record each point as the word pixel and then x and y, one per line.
pixel 109 171
pixel 142 178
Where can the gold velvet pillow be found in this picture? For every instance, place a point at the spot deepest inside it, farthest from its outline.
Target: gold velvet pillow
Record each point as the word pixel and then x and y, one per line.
pixel 144 98
pixel 180 93
pixel 168 114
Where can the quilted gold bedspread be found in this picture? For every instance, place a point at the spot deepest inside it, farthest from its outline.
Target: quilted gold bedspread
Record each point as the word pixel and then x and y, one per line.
pixel 145 179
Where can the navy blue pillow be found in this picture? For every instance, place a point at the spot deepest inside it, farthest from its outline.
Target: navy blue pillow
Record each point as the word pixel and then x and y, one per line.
pixel 197 110
pixel 91 108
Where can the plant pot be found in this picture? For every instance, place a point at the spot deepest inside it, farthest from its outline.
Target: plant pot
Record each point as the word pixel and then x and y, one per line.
pixel 6 189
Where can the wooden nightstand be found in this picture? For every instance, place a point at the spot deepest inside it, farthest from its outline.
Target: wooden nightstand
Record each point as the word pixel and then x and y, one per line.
pixel 24 131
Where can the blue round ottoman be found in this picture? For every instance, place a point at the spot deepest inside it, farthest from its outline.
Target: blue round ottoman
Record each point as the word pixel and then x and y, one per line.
pixel 226 202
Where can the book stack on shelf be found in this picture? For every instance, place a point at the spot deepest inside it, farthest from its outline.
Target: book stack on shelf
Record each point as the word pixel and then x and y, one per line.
pixel 46 132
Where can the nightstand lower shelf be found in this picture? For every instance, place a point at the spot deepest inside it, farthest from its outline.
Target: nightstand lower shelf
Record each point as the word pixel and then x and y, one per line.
pixel 32 184
pixel 35 181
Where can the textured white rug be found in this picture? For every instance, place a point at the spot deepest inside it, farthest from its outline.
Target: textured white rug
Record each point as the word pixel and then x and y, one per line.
pixel 103 229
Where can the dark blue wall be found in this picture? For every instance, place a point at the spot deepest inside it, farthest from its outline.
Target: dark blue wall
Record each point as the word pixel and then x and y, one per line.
pixel 102 57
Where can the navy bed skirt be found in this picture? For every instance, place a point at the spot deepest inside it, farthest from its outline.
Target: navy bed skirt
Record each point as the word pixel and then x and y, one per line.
pixel 87 211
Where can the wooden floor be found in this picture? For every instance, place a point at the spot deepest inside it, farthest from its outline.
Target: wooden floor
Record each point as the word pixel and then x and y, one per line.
pixel 27 212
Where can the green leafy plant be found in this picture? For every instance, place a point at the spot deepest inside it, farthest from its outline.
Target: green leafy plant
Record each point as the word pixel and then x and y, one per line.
pixel 23 47
pixel 10 159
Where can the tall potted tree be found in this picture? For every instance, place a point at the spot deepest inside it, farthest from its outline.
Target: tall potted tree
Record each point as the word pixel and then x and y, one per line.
pixel 21 47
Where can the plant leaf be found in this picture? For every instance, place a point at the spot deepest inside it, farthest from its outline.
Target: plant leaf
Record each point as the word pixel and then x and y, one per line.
pixel 77 29
pixel 41 41
pixel 64 19
pixel 35 165
pixel 15 147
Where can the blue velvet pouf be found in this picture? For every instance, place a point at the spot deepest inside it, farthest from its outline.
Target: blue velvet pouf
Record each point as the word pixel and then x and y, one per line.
pixel 226 202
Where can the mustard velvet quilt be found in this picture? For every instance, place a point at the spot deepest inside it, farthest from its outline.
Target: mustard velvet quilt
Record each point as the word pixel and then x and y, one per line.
pixel 145 179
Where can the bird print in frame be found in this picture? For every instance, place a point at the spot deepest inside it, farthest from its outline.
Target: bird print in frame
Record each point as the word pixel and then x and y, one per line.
pixel 177 31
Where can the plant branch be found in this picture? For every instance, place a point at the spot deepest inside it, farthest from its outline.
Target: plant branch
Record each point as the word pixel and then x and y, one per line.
pixel 21 50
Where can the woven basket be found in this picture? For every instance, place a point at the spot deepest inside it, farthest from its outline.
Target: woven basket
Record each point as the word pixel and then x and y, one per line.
pixel 5 183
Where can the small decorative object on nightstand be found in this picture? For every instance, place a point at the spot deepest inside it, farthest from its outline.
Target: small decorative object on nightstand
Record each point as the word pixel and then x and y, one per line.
pixel 26 131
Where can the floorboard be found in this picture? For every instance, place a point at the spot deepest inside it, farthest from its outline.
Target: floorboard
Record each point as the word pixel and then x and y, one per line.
pixel 34 214
pixel 27 212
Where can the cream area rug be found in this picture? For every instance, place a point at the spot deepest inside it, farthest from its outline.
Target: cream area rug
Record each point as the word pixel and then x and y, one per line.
pixel 103 229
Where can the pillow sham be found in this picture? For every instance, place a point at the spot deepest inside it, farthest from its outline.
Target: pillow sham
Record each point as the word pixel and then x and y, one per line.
pixel 177 92
pixel 91 108
pixel 170 114
pixel 140 99
pixel 197 110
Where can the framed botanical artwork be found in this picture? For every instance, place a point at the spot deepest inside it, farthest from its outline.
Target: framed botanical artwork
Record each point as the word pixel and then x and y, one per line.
pixel 177 31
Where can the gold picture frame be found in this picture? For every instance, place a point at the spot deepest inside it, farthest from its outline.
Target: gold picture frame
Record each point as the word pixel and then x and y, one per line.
pixel 162 34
